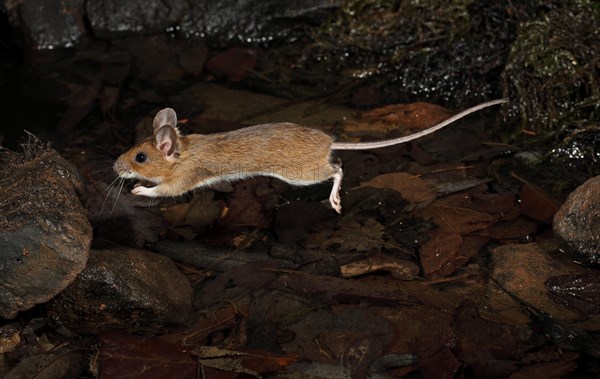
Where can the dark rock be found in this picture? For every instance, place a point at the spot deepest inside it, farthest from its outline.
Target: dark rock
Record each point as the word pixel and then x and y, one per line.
pixel 577 223
pixel 251 21
pixel 118 18
pixel 124 288
pixel 44 231
pixel 46 25
pixel 154 59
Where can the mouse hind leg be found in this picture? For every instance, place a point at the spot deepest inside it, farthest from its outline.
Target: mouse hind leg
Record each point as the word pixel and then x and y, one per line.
pixel 334 197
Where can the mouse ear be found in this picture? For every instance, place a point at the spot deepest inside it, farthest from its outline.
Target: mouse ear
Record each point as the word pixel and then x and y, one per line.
pixel 164 117
pixel 166 140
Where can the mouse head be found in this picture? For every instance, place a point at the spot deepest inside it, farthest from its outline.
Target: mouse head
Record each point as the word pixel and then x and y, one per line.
pixel 152 158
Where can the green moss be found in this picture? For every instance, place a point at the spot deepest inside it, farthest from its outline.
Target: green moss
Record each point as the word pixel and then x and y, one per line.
pixel 552 75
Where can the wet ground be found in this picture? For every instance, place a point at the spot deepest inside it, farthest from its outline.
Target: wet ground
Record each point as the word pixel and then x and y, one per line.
pixel 443 263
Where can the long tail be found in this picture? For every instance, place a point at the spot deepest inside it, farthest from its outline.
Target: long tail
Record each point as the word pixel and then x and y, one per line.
pixel 396 141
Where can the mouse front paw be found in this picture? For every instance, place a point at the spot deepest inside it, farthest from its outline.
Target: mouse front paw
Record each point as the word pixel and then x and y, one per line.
pixel 143 191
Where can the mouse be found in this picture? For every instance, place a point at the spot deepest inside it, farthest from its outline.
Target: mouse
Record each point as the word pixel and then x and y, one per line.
pixel 296 154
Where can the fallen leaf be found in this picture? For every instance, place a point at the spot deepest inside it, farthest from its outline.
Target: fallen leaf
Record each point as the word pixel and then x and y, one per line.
pixel 187 219
pixel 454 214
pixel 550 370
pixel 443 365
pixel 418 115
pixel 514 231
pixel 242 361
pixel 223 319
pixel 537 203
pixel 411 187
pixel 332 290
pixel 440 251
pixel 349 236
pixel 399 268
pixel 578 291
pixel 123 355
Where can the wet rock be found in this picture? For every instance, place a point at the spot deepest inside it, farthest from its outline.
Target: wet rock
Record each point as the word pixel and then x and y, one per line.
pixel 44 231
pixel 577 223
pixel 255 21
pixel 124 288
pixel 118 18
pixel 153 59
pixel 46 25
pixel 523 270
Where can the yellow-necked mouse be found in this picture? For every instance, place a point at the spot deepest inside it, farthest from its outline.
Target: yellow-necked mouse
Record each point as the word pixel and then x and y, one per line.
pixel 295 154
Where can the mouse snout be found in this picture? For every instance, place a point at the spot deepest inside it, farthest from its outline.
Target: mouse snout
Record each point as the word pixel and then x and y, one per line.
pixel 119 167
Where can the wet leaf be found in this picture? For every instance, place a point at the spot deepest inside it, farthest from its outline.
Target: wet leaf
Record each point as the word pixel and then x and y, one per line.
pixel 350 235
pixel 332 290
pixel 514 231
pixel 455 214
pixel 440 251
pixel 443 365
pixel 418 115
pixel 223 319
pixel 537 203
pixel 399 268
pixel 124 355
pixel 550 370
pixel 411 187
pixel 490 349
pixel 579 291
pixel 446 253
pixel 251 362
pixel 201 212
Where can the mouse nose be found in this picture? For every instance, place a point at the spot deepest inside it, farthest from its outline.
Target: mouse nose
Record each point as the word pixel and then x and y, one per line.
pixel 118 167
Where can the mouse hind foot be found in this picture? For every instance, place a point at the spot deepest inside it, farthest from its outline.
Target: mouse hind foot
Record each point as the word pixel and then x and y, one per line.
pixel 334 197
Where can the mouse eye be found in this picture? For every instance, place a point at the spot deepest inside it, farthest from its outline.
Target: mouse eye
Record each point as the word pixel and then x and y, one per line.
pixel 141 157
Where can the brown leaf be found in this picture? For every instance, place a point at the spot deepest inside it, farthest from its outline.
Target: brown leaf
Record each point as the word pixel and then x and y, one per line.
pixel 223 319
pixel 124 355
pixel 414 115
pixel 201 212
pixel 578 291
pixel 498 306
pixel 519 230
pixel 349 236
pixel 454 214
pixel 332 290
pixel 399 268
pixel 411 187
pixel 537 203
pixel 250 362
pixel 443 365
pixel 549 370
pixel 440 251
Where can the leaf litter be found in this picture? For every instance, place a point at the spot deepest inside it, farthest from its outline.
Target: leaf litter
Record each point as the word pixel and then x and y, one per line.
pixel 414 291
pixel 402 271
